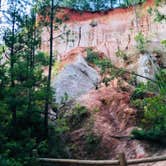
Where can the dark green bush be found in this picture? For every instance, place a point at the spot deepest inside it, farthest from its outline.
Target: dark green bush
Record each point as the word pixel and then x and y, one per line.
pixel 106 81
pixel 77 117
pixel 155 135
pixel 153 123
pixel 139 92
pixel 92 142
pixel 42 58
pixel 103 63
pixel 138 103
pixel 141 42
pixel 92 57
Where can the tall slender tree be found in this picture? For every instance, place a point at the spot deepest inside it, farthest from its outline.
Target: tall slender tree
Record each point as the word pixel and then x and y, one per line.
pixel 53 5
pixel 47 101
pixel 22 50
pixel 12 14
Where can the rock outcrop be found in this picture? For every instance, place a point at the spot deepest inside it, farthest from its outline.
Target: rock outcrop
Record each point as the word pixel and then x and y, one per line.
pixel 147 67
pixel 74 80
pixel 110 114
pixel 106 31
pixel 112 117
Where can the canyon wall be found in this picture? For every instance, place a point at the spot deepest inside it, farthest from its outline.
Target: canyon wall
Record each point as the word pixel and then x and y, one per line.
pixel 107 31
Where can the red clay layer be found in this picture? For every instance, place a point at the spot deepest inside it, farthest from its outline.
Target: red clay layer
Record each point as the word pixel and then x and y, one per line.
pixel 84 16
pixel 74 15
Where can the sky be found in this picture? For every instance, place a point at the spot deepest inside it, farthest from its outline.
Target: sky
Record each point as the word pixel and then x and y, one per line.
pixel 3 7
pixel 3 23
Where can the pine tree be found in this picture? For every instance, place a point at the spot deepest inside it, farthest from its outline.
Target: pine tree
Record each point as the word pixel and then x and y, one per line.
pixel 97 5
pixel 47 101
pixel 48 9
pixel 25 78
pixel 10 41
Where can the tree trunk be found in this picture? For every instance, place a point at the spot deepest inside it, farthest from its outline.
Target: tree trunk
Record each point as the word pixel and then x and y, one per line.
pixel 12 61
pixel 47 101
pixel 31 63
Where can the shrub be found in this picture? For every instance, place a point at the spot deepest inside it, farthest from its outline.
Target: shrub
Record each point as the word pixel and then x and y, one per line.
pixel 78 115
pixel 139 92
pixel 153 123
pixel 141 42
pixel 106 81
pixel 92 57
pixel 138 103
pixel 92 142
pixel 121 54
pixel 42 58
pixel 56 68
pixel 155 135
pixel 163 42
pixel 104 64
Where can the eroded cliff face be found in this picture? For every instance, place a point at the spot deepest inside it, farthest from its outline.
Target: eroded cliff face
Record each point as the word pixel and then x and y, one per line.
pixel 107 31
pixel 109 107
pixel 110 115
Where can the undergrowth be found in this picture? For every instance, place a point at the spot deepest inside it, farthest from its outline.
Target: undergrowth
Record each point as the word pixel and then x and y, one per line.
pixel 153 122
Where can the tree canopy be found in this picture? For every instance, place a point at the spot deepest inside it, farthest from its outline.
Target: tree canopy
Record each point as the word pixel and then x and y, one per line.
pixel 98 5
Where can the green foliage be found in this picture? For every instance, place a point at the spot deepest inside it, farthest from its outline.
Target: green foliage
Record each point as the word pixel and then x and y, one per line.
pixel 103 63
pixel 56 68
pixel 150 10
pixel 22 94
pixel 20 81
pixel 158 16
pixel 141 42
pixel 127 3
pixel 92 57
pixel 57 141
pixel 42 58
pixel 163 42
pixel 96 110
pixel 17 147
pixel 138 103
pixel 92 142
pixel 106 80
pixel 121 54
pixel 155 135
pixel 153 123
pixel 137 97
pixel 65 98
pixel 61 126
pixel 77 117
pixel 139 92
pixel 157 2
pixel 97 5
pixel 89 5
pixel 133 80
pixel 154 120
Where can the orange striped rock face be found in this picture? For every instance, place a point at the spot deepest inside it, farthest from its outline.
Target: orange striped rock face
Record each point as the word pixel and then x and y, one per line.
pixel 107 31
